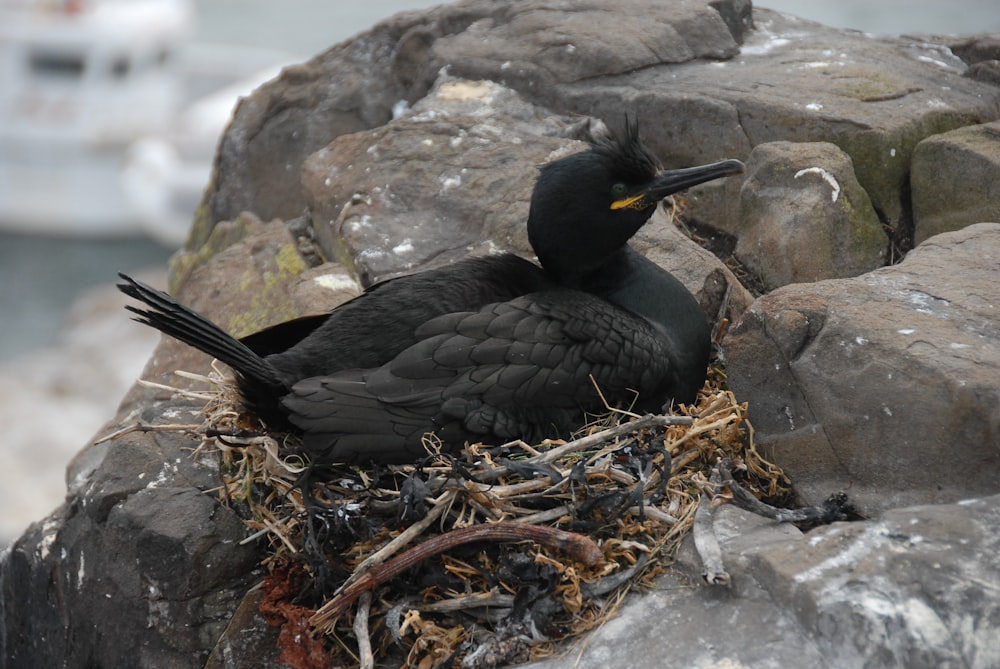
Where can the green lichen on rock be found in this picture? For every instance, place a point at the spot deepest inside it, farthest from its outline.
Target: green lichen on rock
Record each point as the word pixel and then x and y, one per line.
pixel 202 224
pixel 265 263
pixel 267 290
pixel 882 159
pixel 873 87
pixel 954 180
pixel 865 237
pixel 223 236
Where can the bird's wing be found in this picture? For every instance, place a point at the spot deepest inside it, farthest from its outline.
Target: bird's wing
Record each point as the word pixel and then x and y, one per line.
pixel 343 422
pixel 527 368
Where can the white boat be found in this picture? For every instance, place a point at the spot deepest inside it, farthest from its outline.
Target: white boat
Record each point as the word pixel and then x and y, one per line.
pixel 163 176
pixel 99 133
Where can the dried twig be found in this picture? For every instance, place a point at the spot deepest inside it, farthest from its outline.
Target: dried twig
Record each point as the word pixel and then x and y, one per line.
pixel 595 439
pixel 492 599
pixel 142 426
pixel 604 401
pixel 413 531
pixel 578 547
pixel 366 660
pixel 835 508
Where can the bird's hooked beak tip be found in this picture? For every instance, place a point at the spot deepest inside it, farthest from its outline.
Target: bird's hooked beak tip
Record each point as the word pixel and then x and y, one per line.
pixel 736 166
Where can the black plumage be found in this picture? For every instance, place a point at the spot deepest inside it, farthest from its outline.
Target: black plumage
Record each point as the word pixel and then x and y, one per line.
pixel 493 348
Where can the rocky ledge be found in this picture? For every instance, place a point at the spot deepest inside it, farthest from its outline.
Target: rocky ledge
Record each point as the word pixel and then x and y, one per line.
pixel 870 357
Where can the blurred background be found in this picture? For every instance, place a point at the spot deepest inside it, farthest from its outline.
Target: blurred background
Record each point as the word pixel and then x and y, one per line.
pixel 102 175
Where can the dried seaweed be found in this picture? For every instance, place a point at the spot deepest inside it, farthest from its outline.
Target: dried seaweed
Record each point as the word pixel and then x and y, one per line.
pixel 487 558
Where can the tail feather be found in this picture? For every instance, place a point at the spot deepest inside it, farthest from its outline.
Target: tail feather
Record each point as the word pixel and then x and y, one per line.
pixel 174 319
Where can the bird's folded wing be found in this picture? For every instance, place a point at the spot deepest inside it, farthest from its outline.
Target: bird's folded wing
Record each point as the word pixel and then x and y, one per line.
pixel 527 368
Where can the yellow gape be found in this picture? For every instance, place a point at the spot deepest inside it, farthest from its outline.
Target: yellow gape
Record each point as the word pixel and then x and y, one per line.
pixel 634 202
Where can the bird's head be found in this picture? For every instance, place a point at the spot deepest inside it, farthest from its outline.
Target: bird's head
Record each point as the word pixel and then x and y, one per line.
pixel 588 205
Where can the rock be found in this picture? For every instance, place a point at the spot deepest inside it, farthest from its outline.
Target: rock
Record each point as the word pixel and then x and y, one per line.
pixel 987 71
pixel 980 52
pixel 805 217
pixel 276 128
pixel 791 80
pixel 974 49
pixel 398 61
pixel 139 550
pixel 909 590
pixel 539 49
pixel 249 276
pixel 708 81
pixel 954 180
pixel 248 640
pixel 913 589
pixel 884 385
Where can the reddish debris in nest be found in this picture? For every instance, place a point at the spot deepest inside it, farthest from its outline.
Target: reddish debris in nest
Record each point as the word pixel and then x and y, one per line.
pixel 299 648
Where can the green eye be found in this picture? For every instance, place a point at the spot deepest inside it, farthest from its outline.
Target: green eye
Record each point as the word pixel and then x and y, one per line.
pixel 619 190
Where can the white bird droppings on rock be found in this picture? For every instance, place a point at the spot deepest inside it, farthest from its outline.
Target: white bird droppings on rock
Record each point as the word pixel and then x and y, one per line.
pixel 336 282
pixel 826 176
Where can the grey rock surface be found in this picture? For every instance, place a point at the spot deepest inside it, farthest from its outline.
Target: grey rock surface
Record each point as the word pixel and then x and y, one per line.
pixel 954 180
pixel 445 180
pixel 897 592
pixel 720 82
pixel 357 84
pixel 916 588
pixel 139 568
pixel 884 385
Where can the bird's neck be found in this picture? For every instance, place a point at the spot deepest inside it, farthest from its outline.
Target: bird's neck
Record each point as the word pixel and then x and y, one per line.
pixel 630 280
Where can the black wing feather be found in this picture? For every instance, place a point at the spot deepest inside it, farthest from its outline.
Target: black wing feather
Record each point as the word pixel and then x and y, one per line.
pixel 261 384
pixel 517 369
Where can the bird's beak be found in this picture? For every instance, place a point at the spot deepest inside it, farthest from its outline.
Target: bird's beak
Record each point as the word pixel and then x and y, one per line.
pixel 669 182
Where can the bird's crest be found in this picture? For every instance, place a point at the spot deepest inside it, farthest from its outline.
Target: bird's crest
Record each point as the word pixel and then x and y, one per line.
pixel 626 153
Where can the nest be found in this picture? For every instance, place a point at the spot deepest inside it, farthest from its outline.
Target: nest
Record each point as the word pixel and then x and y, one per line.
pixel 493 557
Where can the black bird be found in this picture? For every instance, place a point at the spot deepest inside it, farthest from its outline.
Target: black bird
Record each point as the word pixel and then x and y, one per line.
pixel 493 348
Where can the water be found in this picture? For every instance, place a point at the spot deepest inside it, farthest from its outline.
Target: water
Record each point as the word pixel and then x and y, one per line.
pixel 43 276
pixel 897 17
